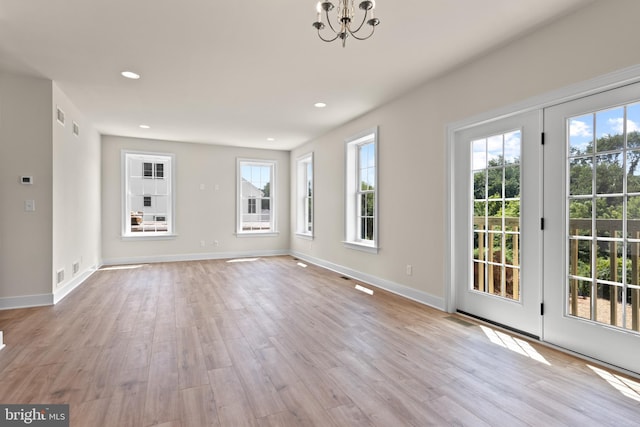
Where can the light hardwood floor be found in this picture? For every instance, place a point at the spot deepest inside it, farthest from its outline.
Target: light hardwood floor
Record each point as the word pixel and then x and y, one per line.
pixel 270 343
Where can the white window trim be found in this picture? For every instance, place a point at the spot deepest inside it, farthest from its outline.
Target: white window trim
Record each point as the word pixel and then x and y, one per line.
pixel 125 210
pixel 272 191
pixel 301 194
pixel 352 184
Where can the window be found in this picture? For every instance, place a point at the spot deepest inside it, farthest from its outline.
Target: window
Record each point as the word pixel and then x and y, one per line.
pixel 361 228
pixel 304 225
pixel 496 214
pixel 153 170
pixel 256 196
pixel 148 204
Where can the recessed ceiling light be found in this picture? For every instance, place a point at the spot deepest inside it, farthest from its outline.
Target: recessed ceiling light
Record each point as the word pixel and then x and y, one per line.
pixel 271 139
pixel 145 126
pixel 319 105
pixel 130 75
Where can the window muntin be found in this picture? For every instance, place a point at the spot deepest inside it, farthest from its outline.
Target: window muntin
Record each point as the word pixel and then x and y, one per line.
pixel 256 196
pixel 305 196
pixel 148 199
pixel 361 195
pixel 496 214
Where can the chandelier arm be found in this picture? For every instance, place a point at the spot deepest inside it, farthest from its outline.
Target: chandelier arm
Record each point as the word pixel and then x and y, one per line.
pixel 364 19
pixel 326 12
pixel 326 40
pixel 373 29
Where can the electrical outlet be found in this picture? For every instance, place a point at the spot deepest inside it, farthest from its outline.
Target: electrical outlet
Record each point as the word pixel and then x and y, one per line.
pixel 409 270
pixel 60 276
pixel 216 243
pixel 76 267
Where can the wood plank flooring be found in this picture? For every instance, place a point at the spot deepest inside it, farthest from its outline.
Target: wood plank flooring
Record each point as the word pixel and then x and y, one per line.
pixel 270 343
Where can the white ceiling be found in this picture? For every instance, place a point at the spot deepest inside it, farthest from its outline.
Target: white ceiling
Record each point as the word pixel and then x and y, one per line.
pixel 237 73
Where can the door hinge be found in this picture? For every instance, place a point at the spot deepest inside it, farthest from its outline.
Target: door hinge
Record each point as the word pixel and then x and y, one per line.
pixel 541 223
pixel 542 138
pixel 541 309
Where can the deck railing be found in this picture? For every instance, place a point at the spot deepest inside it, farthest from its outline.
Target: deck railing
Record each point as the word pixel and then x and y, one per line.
pixel 614 227
pixel 495 224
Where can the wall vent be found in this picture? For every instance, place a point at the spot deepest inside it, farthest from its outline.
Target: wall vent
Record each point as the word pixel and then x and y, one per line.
pixel 76 129
pixel 60 276
pixel 60 116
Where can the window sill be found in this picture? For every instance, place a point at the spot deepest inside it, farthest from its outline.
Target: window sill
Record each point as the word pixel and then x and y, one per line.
pixel 258 234
pixel 363 247
pixel 304 236
pixel 167 236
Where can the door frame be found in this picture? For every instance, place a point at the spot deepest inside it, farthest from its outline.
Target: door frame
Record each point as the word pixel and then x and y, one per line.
pixel 572 92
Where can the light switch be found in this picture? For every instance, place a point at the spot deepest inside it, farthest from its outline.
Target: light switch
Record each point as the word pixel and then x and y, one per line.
pixel 29 205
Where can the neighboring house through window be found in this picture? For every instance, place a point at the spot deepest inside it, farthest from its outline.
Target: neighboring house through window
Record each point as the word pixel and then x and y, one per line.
pixel 256 196
pixel 148 194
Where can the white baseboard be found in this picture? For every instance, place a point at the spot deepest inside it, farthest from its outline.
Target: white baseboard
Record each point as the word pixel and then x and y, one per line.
pixel 192 257
pixel 387 285
pixel 59 294
pixel 26 301
pixel 29 301
pixel 62 292
pixel 1 341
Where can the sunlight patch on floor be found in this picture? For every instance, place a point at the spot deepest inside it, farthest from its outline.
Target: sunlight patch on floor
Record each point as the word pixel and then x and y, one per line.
pixel 302 264
pixel 242 260
pixel 365 290
pixel 123 267
pixel 514 344
pixel 625 386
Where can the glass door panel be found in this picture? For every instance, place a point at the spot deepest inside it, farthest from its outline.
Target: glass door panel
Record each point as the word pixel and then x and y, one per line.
pixel 593 239
pixel 497 210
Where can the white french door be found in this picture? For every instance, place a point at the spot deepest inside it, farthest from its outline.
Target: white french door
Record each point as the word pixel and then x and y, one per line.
pixel 497 211
pixel 592 226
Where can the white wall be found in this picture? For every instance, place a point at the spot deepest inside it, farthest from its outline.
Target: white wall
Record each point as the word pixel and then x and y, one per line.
pixel 76 196
pixel 201 215
pixel 25 149
pixel 412 190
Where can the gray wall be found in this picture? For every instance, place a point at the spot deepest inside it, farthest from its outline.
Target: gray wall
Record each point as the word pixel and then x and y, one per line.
pixel 25 149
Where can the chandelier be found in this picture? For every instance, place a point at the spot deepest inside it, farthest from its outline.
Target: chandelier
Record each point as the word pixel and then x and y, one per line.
pixel 344 20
